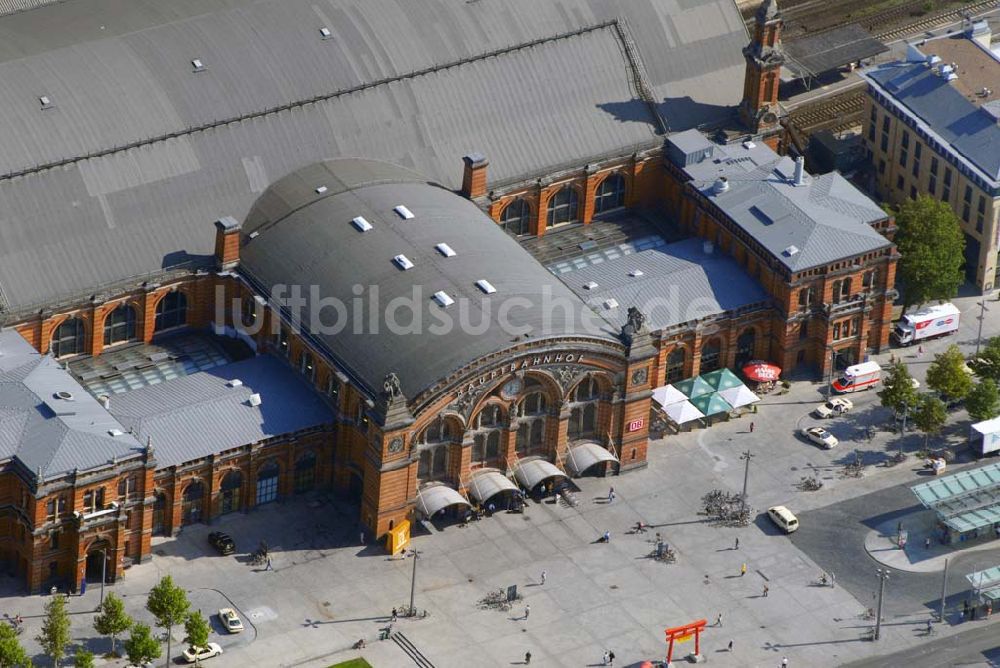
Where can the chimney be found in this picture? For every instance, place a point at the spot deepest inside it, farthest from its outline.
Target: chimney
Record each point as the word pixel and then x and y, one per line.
pixel 227 242
pixel 800 171
pixel 474 177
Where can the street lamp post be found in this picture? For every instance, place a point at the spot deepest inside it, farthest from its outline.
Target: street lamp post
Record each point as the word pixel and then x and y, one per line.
pixel 902 429
pixel 746 456
pixel 883 575
pixel 413 583
pixel 982 316
pixel 104 571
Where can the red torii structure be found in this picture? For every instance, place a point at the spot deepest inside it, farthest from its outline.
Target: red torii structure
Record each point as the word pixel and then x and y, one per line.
pixel 683 633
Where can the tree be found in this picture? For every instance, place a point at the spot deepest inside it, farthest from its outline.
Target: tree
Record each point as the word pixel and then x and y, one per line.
pixel 141 647
pixel 930 416
pixel 112 620
pixel 55 629
pixel 947 374
pixel 169 606
pixel 932 248
pixel 987 364
pixel 12 655
pixel 983 402
pixel 897 389
pixel 83 659
pixel 197 630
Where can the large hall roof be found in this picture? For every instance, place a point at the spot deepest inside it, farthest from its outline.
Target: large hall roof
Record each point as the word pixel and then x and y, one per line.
pixel 118 173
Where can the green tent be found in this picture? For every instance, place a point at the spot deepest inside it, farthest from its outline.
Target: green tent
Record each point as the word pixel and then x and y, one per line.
pixel 711 404
pixel 722 379
pixel 694 387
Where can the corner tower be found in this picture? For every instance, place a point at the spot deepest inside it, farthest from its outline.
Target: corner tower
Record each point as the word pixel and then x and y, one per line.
pixel 759 108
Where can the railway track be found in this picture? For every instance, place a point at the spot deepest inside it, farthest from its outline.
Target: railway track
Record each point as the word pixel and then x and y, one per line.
pixel 840 111
pixel 880 25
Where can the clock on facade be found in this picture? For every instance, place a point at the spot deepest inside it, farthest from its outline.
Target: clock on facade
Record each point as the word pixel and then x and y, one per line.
pixel 396 445
pixel 639 376
pixel 511 388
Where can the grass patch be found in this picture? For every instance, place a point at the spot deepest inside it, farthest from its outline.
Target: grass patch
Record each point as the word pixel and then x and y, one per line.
pixel 353 663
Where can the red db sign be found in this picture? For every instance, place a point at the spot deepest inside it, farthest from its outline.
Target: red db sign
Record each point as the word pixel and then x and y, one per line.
pixel 636 425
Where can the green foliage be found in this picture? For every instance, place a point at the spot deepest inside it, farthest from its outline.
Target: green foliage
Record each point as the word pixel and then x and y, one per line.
pixel 897 389
pixel 983 402
pixel 932 246
pixel 141 647
pixel 83 659
pixel 112 620
pixel 947 374
pixel 197 629
pixel 987 364
pixel 12 655
pixel 169 605
pixel 930 415
pixel 55 629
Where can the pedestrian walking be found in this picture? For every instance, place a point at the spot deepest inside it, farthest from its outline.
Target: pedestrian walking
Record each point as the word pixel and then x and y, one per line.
pixel 927 543
pixel 920 350
pixel 737 543
pixel 543 577
pixel 989 609
pixel 611 495
pixel 751 427
pixel 394 614
pixel 527 658
pixel 730 646
pixel 965 609
pixel 362 537
pixel 607 537
pixel 766 589
pixel 605 658
pixel 718 620
pixel 784 661
pixel 269 567
pixel 611 658
pixel 743 570
pixel 527 611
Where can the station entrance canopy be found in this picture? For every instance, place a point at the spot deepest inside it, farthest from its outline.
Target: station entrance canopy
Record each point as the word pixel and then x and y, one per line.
pixel 821 52
pixel 964 501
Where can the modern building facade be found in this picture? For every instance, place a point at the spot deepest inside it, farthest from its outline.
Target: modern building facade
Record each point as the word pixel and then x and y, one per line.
pixel 932 127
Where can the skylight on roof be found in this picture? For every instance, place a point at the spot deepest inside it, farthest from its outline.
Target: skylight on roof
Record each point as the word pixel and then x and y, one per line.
pixel 635 273
pixel 403 262
pixel 485 286
pixel 791 250
pixel 590 285
pixel 320 190
pixel 443 298
pixel 611 304
pixel 362 224
pixel 198 65
pixel 445 250
pixel 45 102
pixel 325 33
pixel 403 212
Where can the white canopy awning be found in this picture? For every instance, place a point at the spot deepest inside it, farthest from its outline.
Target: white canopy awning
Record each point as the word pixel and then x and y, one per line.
pixel 533 471
pixel 683 412
pixel 582 456
pixel 739 396
pixel 487 484
pixel 668 394
pixel 432 499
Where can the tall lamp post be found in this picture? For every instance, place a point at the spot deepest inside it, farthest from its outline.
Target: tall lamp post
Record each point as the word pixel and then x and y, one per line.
pixel 902 429
pixel 833 366
pixel 413 582
pixel 746 456
pixel 883 575
pixel 982 316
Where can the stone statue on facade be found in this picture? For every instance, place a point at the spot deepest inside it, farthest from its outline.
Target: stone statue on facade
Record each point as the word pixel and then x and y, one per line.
pixel 634 325
pixel 391 387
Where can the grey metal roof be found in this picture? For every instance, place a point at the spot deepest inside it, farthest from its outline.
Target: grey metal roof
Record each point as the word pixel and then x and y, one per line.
pixel 970 130
pixel 680 283
pixel 48 435
pixel 308 240
pixel 826 219
pixel 198 415
pixel 824 51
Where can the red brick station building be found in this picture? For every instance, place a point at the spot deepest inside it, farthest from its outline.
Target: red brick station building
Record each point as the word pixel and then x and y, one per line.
pixel 421 290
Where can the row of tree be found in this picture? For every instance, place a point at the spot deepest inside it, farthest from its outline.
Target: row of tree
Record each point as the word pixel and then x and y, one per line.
pixel 167 602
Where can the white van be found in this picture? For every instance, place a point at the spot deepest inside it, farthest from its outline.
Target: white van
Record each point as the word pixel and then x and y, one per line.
pixel 784 518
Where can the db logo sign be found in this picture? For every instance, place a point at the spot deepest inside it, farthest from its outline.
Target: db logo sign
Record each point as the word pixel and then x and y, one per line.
pixel 636 425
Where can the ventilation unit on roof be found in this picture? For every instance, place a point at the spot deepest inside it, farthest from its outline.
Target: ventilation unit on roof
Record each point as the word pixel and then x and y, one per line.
pixel 933 59
pixel 721 185
pixel 235 382
pixel 443 298
pixel 790 251
pixel 749 145
pixel 635 273
pixel 403 262
pixel 445 250
pixel 403 212
pixel 362 224
pixel 485 286
pixel 611 304
pixel 64 395
pixel 45 102
pixel 590 285
pixel 254 399
pixel 115 432
pixel 325 33
pixel 320 190
pixel 198 65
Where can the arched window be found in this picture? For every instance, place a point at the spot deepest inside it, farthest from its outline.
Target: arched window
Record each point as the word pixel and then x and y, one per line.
pixel 710 356
pixel 306 366
pixel 68 338
pixel 159 514
pixel 171 311
pixel 436 432
pixel 191 502
pixel 586 390
pixel 433 462
pixel 305 472
pixel 516 217
pixel 230 499
pixel 486 435
pixel 533 404
pixel 610 194
pixel 488 417
pixel 675 365
pixel 119 326
pixel 583 421
pixel 745 345
pixel 563 207
pixel 267 482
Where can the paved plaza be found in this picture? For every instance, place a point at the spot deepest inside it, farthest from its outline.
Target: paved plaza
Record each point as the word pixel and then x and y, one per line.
pixel 329 590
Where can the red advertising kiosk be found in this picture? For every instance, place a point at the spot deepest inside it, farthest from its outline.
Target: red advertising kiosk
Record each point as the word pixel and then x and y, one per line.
pixel 683 634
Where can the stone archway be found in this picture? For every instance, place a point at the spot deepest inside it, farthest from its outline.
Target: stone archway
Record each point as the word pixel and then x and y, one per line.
pixel 99 561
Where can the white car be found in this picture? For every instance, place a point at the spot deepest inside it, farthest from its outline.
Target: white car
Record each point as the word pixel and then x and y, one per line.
pixel 820 436
pixel 835 406
pixel 202 653
pixel 230 620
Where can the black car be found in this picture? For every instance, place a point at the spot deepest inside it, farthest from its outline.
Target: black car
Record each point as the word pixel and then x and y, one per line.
pixel 222 542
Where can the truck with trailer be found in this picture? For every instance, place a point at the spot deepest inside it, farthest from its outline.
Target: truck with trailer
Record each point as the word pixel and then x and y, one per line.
pixel 927 323
pixel 858 377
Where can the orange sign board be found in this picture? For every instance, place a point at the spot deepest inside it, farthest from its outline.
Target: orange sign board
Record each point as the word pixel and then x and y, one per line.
pixel 399 537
